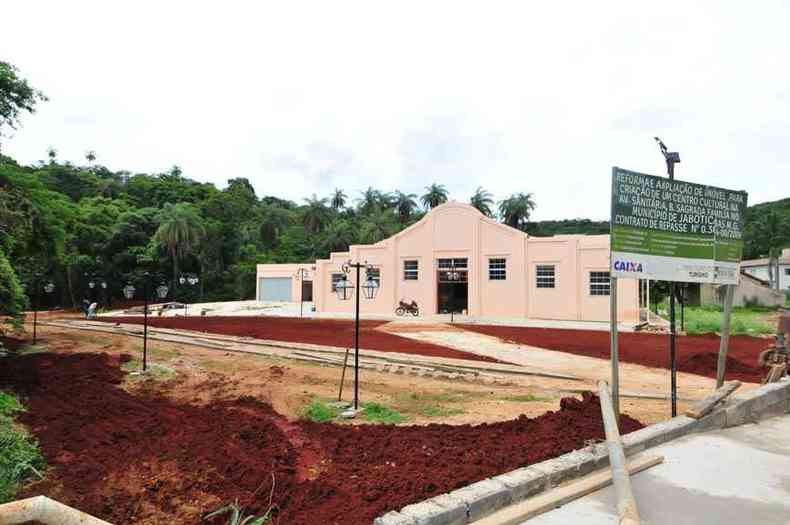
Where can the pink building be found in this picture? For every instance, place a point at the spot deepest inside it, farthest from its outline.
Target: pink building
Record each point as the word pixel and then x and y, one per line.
pixel 457 259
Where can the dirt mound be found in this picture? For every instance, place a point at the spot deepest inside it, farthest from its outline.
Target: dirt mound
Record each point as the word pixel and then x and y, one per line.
pixel 332 332
pixel 697 354
pixel 142 457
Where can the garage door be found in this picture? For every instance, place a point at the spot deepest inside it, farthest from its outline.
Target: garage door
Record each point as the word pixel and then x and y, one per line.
pixel 275 289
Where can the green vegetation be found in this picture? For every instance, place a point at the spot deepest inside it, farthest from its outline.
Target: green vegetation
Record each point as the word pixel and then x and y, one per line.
pixel 429 410
pixel 20 457
pixel 378 413
pixel 746 320
pixel 320 412
pixel 525 398
pixel 154 371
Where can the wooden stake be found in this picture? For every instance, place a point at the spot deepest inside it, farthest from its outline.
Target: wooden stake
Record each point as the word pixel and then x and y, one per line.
pixel 343 377
pixel 704 406
pixel 725 334
pixel 550 500
pixel 626 503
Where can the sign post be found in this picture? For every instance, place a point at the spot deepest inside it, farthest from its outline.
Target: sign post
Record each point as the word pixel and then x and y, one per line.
pixel 674 231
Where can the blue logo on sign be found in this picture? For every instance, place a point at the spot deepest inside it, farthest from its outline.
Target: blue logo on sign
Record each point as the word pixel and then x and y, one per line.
pixel 627 266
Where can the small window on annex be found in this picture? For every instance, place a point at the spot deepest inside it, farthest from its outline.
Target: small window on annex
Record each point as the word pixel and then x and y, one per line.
pixel 336 278
pixel 600 283
pixel 545 276
pixel 411 270
pixel 497 269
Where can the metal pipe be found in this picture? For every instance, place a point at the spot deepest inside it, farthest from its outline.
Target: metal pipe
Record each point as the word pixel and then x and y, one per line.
pixel 343 377
pixel 356 347
pixel 145 322
pixel 37 301
pixel 615 350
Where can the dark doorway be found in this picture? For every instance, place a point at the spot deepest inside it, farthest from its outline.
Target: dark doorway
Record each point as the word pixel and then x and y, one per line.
pixel 453 287
pixel 307 290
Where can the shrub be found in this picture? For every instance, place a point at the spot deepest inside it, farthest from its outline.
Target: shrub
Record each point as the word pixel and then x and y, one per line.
pixel 320 412
pixel 12 297
pixel 20 457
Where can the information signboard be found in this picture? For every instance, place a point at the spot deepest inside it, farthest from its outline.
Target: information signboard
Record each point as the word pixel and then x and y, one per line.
pixel 671 230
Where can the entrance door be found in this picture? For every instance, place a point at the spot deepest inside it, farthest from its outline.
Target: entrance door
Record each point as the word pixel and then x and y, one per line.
pixel 307 291
pixel 453 287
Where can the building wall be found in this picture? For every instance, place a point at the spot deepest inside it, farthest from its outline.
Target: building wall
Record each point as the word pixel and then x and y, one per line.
pixel 761 272
pixel 456 230
pixel 284 270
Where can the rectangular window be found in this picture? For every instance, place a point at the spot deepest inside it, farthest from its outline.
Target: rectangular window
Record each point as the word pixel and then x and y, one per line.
pixel 411 270
pixel 497 269
pixel 600 283
pixel 452 264
pixel 336 278
pixel 375 274
pixel 787 271
pixel 544 276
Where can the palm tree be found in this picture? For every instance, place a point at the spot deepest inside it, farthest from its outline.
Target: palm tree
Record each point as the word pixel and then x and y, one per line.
pixel 405 204
pixel 371 200
pixel 338 236
pixel 435 195
pixel 515 210
pixel 180 231
pixel 316 214
pixel 52 153
pixel 90 156
pixel 483 201
pixel 338 199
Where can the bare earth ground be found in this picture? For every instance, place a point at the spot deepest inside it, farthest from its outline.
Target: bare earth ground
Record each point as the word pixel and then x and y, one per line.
pixel 422 399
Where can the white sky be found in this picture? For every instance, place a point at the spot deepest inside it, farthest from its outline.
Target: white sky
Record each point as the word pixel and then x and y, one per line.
pixel 302 97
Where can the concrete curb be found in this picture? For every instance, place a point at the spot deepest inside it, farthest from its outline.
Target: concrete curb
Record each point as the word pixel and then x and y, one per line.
pixel 470 503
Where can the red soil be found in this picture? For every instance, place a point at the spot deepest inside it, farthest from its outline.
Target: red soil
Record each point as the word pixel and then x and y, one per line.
pixel 332 332
pixel 130 458
pixel 697 354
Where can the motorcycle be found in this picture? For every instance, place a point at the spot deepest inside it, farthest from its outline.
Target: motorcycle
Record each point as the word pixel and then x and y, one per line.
pixel 407 308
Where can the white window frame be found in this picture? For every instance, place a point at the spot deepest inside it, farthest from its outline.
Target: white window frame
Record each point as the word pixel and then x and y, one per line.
pixel 600 285
pixel 340 276
pixel 497 268
pixel 411 274
pixel 545 280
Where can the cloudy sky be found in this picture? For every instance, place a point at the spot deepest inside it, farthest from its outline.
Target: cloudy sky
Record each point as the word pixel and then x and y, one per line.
pixel 303 97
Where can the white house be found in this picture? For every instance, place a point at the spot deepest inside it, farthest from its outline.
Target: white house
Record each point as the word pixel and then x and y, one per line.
pixel 759 268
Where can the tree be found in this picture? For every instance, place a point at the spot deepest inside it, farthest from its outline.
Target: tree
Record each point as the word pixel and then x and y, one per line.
pixel 515 210
pixel 52 153
pixel 16 97
pixel 435 194
pixel 337 237
pixel 90 156
pixel 483 201
pixel 12 298
pixel 316 214
pixel 180 231
pixel 338 200
pixel 372 200
pixel 405 204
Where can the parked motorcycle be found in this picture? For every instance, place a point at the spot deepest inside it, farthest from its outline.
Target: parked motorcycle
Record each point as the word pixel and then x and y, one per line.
pixel 407 308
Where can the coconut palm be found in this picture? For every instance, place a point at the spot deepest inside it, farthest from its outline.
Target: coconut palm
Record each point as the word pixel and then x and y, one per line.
pixel 435 194
pixel 405 204
pixel 338 236
pixel 52 153
pixel 180 232
pixel 483 201
pixel 316 214
pixel 371 200
pixel 338 199
pixel 515 210
pixel 90 156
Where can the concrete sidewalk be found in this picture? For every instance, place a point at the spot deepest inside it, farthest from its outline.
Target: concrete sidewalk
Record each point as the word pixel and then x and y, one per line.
pixel 737 475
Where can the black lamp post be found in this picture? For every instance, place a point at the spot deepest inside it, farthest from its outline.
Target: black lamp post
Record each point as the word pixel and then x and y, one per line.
pixel 191 279
pixel 345 290
pixel 672 158
pixel 301 274
pixel 128 292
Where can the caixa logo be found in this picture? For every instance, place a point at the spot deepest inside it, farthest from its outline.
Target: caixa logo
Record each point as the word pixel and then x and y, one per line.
pixel 627 266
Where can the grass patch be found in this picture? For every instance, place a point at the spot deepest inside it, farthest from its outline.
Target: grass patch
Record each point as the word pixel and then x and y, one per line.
pixel 439 411
pixel 154 371
pixel 378 413
pixel 320 412
pixel 20 457
pixel 745 320
pixel 525 398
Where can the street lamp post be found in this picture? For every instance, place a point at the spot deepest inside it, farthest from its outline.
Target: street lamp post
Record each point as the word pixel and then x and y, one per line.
pixel 672 158
pixel 301 273
pixel 190 279
pixel 345 290
pixel 128 292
